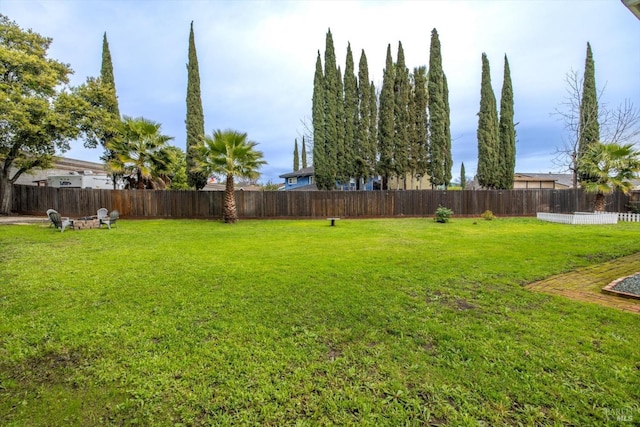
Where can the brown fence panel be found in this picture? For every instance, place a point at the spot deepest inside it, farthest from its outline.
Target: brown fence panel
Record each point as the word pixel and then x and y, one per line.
pixel 309 204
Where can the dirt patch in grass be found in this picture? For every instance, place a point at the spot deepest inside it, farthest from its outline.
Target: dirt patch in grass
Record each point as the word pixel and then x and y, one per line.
pixel 333 354
pixel 464 305
pixel 51 367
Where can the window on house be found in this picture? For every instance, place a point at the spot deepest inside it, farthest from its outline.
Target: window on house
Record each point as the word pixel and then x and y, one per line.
pixel 311 180
pixel 293 180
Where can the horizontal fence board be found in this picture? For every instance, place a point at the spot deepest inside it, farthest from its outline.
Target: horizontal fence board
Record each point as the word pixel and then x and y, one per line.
pixel 73 202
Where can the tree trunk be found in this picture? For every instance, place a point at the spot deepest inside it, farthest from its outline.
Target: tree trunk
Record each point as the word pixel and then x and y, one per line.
pixel 140 184
pixel 230 213
pixel 6 192
pixel 599 204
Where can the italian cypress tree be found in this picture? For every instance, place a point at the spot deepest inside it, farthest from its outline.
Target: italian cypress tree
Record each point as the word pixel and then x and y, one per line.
pixel 367 134
pixel 488 135
pixel 106 75
pixel 195 117
pixel 341 155
pixel 463 177
pixel 326 180
pixel 385 122
pixel 296 157
pixel 507 131
pixel 317 118
pixel 448 158
pixel 373 127
pixel 363 156
pixel 439 141
pixel 110 104
pixel 351 116
pixel 401 118
pixel 589 127
pixel 304 153
pixel 418 148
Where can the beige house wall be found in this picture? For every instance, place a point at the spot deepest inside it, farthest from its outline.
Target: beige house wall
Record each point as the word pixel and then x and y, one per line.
pixel 424 183
pixel 519 185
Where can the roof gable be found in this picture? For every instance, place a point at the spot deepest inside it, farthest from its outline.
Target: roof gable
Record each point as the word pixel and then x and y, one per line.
pixel 308 171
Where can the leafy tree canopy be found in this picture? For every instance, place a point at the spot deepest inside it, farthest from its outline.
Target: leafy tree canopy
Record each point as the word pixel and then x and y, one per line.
pixel 141 155
pixel 39 113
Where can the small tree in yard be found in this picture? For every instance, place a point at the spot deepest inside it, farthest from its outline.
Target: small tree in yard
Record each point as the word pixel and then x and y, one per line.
pixel 231 154
pixel 443 214
pixel 612 167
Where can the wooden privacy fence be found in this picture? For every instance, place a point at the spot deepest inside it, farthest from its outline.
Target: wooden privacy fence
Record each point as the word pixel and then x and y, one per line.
pixel 32 200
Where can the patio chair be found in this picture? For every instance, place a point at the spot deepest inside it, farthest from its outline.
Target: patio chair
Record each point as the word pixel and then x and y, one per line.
pixel 112 219
pixel 51 224
pixel 59 221
pixel 102 213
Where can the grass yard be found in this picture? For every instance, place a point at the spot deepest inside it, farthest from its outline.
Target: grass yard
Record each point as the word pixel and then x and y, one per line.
pixel 371 322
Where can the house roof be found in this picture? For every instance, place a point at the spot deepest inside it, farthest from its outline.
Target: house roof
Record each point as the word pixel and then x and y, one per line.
pixel 308 187
pixel 308 171
pixel 565 179
pixel 634 6
pixel 60 166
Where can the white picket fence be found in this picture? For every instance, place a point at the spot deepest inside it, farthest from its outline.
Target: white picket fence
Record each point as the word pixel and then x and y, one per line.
pixel 591 218
pixel 628 217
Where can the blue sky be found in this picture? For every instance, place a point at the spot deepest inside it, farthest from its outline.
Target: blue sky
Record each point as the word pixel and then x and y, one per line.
pixel 257 60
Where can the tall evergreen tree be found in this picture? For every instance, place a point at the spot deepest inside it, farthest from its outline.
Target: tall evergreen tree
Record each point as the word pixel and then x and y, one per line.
pixel 304 153
pixel 111 103
pixel 106 75
pixel 448 157
pixel 296 157
pixel 507 131
pixel 488 134
pixel 351 117
pixel 341 155
pixel 373 127
pixel 326 177
pixel 385 122
pixel 195 117
pixel 439 134
pixel 418 143
pixel 589 130
pixel 401 118
pixel 362 154
pixel 463 177
pixel 319 131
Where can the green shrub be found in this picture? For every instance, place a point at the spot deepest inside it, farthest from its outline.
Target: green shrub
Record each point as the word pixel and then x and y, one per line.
pixel 443 214
pixel 488 215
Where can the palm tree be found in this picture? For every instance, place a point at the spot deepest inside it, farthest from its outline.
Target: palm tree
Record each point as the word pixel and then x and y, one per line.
pixel 612 167
pixel 231 154
pixel 140 153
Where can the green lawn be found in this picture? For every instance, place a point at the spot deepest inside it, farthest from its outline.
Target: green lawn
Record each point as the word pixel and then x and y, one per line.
pixel 372 322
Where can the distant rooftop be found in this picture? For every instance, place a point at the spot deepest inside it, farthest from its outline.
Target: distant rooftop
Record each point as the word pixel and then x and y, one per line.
pixel 308 171
pixel 634 6
pixel 564 179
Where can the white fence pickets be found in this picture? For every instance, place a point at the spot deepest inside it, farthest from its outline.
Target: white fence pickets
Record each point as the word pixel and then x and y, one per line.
pixel 629 217
pixel 581 218
pixel 589 217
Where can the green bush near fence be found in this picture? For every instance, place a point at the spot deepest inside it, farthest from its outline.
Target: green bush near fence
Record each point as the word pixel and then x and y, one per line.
pixel 371 322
